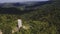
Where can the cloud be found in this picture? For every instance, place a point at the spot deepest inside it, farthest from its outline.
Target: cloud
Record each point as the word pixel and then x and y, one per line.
pixel 2 1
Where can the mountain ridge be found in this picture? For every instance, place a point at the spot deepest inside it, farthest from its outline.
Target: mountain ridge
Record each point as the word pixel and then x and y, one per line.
pixel 23 4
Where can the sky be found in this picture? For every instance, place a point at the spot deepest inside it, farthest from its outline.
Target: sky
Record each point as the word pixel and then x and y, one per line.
pixel 8 1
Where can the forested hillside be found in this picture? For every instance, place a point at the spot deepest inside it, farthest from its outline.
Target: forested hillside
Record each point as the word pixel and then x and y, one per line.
pixel 44 20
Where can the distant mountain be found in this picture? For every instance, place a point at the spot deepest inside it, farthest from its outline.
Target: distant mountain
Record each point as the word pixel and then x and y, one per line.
pixel 26 4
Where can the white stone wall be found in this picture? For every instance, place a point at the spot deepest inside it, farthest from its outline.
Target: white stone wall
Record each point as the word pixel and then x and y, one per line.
pixel 0 32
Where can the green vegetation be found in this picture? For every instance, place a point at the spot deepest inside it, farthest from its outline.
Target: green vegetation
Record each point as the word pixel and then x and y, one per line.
pixel 44 20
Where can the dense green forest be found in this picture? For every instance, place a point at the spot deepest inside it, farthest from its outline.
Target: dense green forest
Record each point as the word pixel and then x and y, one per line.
pixel 44 20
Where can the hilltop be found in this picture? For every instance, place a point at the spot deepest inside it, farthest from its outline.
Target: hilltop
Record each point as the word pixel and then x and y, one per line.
pixel 44 20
